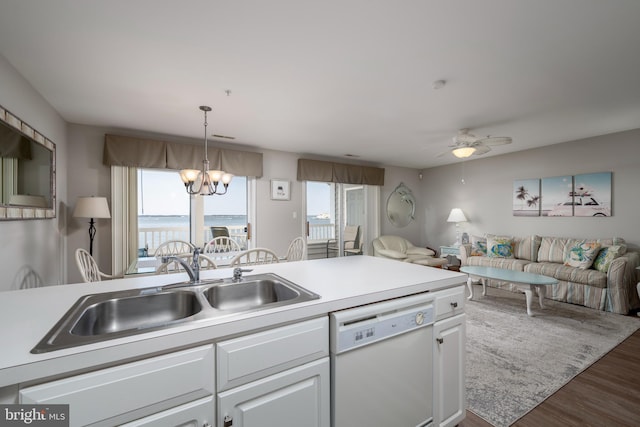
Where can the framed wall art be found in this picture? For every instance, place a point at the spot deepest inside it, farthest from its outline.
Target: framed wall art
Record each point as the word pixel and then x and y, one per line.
pixel 526 197
pixel 280 189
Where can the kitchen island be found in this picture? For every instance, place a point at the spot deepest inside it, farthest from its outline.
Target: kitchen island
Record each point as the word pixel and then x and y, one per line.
pixel 342 283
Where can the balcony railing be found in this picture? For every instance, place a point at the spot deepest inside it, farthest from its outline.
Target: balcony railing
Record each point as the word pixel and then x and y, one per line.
pixel 152 237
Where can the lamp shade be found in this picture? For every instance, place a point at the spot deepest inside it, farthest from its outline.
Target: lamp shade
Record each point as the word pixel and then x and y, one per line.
pixel 456 215
pixel 91 207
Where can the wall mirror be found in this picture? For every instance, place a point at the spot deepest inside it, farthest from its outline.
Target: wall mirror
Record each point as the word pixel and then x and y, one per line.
pixel 27 171
pixel 401 206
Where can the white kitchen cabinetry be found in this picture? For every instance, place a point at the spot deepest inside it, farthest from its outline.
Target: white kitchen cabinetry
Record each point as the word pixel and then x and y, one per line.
pixel 276 377
pixel 198 413
pixel 448 372
pixel 139 389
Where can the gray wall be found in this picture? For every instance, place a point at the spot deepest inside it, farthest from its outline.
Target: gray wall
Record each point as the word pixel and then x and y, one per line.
pixel 35 244
pixel 486 196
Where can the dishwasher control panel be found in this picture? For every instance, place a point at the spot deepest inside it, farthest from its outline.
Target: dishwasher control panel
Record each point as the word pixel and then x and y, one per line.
pixel 351 331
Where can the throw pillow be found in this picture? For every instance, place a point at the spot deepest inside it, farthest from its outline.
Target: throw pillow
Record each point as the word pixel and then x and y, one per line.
pixel 499 246
pixel 606 256
pixel 478 246
pixel 581 253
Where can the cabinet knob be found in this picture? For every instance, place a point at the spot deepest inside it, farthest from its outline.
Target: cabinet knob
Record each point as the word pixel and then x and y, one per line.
pixel 454 304
pixel 228 421
pixel 440 340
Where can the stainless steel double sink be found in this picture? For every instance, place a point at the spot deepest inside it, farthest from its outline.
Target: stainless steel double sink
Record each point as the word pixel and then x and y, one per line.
pixel 99 317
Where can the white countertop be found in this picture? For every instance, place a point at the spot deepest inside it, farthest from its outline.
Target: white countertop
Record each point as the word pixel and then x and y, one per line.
pixel 27 315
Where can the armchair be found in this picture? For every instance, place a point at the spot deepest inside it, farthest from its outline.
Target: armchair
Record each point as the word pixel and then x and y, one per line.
pixel 399 248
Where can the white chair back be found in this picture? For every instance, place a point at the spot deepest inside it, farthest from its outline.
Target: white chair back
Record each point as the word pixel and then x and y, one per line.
pixel 88 267
pixel 174 247
pixel 297 250
pixel 255 256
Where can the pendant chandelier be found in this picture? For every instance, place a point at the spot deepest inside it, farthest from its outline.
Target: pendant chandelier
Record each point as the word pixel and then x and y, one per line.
pixel 205 182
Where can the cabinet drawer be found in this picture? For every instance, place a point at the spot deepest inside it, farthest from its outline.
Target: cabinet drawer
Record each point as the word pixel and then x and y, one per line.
pixel 248 358
pixel 193 414
pixel 449 302
pixel 110 392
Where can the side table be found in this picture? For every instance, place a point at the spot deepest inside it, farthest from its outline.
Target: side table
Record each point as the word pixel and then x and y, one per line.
pixel 450 252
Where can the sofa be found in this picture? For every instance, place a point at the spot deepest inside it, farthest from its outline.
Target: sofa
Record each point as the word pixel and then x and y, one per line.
pixel 595 273
pixel 401 249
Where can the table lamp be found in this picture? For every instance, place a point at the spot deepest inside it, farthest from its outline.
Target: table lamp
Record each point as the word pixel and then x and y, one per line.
pixel 91 207
pixel 456 215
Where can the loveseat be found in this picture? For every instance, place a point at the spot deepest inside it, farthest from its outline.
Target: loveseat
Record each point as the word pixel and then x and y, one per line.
pixel 400 249
pixel 596 273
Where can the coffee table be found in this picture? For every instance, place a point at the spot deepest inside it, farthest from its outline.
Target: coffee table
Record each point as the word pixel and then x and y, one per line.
pixel 525 282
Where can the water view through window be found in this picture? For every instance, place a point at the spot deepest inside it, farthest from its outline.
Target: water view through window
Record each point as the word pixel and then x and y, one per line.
pixel 164 210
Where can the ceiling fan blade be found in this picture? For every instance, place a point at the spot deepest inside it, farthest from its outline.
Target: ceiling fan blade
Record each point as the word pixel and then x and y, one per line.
pixel 496 140
pixel 481 149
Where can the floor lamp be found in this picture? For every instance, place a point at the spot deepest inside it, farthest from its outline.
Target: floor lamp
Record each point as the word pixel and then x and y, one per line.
pixel 91 207
pixel 456 215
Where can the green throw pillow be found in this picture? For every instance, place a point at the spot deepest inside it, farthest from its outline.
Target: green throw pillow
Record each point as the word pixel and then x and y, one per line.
pixel 580 253
pixel 606 256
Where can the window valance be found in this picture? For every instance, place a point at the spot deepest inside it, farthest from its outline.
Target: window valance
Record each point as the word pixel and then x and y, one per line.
pixel 147 153
pixel 317 170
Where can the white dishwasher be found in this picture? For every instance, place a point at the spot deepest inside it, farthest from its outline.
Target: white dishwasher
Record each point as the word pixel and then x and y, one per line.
pixel 382 364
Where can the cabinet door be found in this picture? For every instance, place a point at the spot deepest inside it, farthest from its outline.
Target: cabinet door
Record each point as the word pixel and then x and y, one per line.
pixel 294 398
pixel 448 373
pixel 132 390
pixel 193 414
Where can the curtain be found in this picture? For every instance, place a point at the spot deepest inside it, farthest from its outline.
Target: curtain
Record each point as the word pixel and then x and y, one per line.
pixel 147 153
pixel 317 170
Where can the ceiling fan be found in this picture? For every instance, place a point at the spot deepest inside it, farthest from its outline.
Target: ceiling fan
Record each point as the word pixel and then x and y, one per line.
pixel 466 144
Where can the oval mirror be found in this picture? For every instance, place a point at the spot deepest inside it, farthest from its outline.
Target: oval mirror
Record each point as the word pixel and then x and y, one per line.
pixel 401 206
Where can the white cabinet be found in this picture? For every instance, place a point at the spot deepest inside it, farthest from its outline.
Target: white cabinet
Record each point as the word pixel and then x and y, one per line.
pixel 448 373
pixel 279 377
pixel 293 398
pixel 198 413
pixel 134 390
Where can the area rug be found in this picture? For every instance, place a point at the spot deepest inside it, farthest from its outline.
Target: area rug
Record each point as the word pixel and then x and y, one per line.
pixel 514 362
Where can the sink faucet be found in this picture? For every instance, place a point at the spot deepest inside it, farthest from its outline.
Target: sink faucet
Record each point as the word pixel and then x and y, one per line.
pixel 237 273
pixel 192 270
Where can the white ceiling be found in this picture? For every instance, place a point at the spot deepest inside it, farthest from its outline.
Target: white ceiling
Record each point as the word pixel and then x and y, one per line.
pixel 336 77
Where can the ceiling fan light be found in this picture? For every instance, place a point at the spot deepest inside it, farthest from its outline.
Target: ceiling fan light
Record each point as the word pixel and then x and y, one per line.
pixel 462 152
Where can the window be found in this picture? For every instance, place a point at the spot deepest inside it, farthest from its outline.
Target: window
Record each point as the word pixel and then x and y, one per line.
pixel 151 206
pixel 163 209
pixel 330 207
pixel 229 212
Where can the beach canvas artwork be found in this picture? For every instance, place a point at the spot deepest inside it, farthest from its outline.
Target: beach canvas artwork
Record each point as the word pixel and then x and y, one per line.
pixel 592 194
pixel 526 197
pixel 557 196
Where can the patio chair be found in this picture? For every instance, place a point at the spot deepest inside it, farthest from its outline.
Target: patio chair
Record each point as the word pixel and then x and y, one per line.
pixel 351 244
pixel 219 232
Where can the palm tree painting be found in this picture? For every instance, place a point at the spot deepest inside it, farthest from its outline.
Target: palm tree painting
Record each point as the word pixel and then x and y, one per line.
pixel 526 197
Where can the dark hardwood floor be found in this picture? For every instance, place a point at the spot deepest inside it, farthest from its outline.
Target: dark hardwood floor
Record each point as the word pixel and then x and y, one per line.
pixel 607 394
